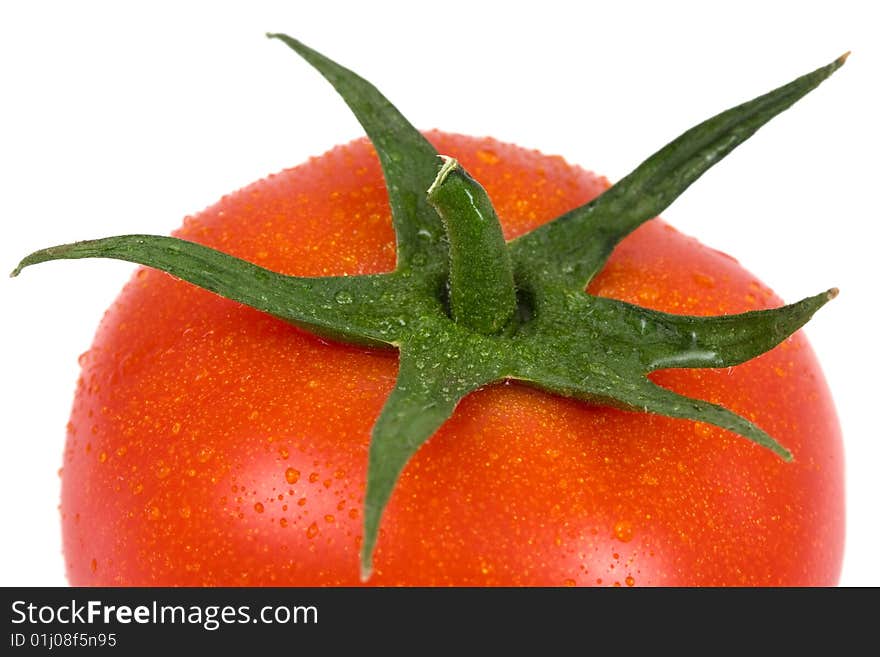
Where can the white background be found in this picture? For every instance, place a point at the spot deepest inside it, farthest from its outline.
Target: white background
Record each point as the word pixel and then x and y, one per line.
pixel 119 117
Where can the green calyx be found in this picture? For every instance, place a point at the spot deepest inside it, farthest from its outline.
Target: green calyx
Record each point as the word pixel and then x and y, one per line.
pixel 466 309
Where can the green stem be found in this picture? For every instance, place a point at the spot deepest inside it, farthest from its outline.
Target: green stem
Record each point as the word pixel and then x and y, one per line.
pixel 482 295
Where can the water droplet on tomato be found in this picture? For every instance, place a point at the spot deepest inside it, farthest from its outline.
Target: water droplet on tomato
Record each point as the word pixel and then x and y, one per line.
pixel 185 511
pixel 283 522
pixel 259 508
pixel 204 454
pixel 704 280
pixel 630 580
pixel 329 518
pixel 623 531
pixel 313 530
pixel 94 565
pixel 570 582
pixel 102 458
pixel 488 156
pixel 291 475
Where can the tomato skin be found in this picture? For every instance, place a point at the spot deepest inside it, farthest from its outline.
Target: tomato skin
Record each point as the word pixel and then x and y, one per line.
pixel 211 444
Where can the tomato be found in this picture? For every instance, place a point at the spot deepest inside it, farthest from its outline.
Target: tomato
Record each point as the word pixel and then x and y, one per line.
pixel 212 444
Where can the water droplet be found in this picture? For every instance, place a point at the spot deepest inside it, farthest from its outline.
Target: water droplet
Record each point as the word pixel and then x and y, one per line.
pixel 353 513
pixel 94 565
pixel 138 488
pixel 704 280
pixel 343 296
pixel 623 531
pixel 569 582
pixel 291 475
pixel 630 580
pixel 283 522
pixel 259 508
pixel 162 470
pixel 185 512
pixel 313 530
pixel 175 428
pixel 488 156
pixel 283 452
pixel 329 518
pixel 204 454
pixel 314 477
pixel 154 513
pixel 102 458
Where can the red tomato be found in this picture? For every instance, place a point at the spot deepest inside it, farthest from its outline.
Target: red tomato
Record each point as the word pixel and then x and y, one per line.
pixel 211 444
